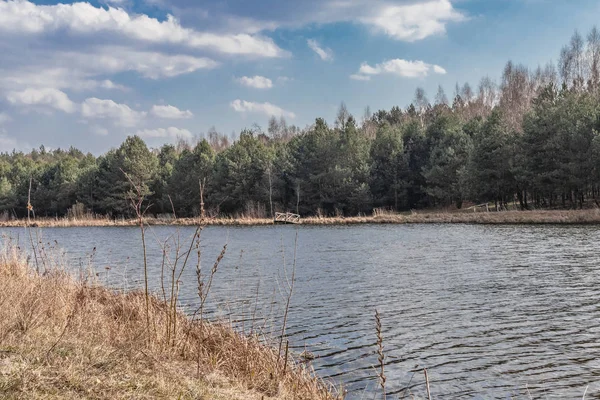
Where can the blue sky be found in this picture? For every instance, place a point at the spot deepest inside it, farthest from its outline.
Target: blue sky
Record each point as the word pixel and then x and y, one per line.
pixel 89 74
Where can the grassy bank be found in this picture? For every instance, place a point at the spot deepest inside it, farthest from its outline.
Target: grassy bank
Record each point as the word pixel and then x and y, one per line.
pixel 62 338
pixel 589 216
pixel 566 217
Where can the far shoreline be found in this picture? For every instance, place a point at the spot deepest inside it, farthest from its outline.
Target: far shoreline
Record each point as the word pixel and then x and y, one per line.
pixel 536 217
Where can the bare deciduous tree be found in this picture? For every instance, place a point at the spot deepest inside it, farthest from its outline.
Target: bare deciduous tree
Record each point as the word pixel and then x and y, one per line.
pixel 593 55
pixel 421 103
pixel 515 94
pixel 440 97
pixel 565 65
pixel 467 93
pixel 369 127
pixel 217 141
pixel 578 65
pixel 486 95
pixel 342 117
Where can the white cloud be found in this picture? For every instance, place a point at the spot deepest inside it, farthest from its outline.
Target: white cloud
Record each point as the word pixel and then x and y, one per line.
pixel 38 76
pixel 268 109
pixel 257 82
pixel 358 77
pixel 399 67
pixel 324 54
pixel 43 97
pixel 110 85
pixel 91 109
pixel 172 133
pixel 24 17
pixel 120 114
pixel 411 22
pixel 439 70
pixel 80 70
pixel 149 64
pixel 170 112
pixel 406 20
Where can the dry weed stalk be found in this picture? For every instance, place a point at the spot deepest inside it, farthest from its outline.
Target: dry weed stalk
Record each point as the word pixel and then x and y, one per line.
pixel 204 287
pixel 427 383
pixel 176 266
pixel 290 286
pixel 30 212
pixel 381 355
pixel 137 200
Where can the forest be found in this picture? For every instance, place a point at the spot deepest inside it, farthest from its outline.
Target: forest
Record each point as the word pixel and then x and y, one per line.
pixel 530 141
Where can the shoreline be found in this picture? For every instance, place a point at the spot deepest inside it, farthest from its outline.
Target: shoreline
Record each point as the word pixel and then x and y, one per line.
pixel 537 217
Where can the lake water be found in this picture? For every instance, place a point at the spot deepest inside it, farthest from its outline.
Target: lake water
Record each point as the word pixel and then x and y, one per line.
pixel 493 312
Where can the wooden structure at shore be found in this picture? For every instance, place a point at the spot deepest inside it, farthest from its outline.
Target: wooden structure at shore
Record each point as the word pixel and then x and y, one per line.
pixel 286 218
pixel 480 206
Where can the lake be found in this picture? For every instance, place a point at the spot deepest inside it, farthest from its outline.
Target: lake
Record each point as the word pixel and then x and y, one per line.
pixel 492 312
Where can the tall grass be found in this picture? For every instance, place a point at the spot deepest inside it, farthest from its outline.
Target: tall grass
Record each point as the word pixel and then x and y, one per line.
pixel 62 337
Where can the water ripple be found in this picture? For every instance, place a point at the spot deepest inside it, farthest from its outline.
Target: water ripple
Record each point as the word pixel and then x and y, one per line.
pixel 493 312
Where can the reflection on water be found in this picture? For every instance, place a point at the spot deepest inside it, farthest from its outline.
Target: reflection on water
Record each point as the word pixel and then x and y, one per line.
pixel 490 311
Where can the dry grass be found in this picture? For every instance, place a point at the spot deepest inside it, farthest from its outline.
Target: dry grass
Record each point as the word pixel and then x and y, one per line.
pixel 589 216
pixel 89 222
pixel 62 338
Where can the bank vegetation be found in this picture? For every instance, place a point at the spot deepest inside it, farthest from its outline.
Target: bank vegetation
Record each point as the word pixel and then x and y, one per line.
pixel 66 338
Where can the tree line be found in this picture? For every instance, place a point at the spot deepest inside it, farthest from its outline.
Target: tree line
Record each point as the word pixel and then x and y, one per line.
pixel 532 140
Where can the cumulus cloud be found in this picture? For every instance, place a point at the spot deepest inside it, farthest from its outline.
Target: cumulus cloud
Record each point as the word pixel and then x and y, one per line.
pixel 91 109
pixel 325 54
pixel 439 70
pixel 39 76
pixel 80 70
pixel 21 17
pixel 406 20
pixel 171 133
pixel 257 82
pixel 411 22
pixel 110 85
pixel 170 112
pixel 398 67
pixel 152 65
pixel 268 109
pixel 120 114
pixel 43 97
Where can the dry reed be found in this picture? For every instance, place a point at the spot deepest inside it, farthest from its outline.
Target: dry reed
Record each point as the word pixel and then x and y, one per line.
pixel 543 217
pixel 380 354
pixel 71 339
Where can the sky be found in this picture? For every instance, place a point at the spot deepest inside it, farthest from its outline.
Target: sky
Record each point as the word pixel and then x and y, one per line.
pixel 88 74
